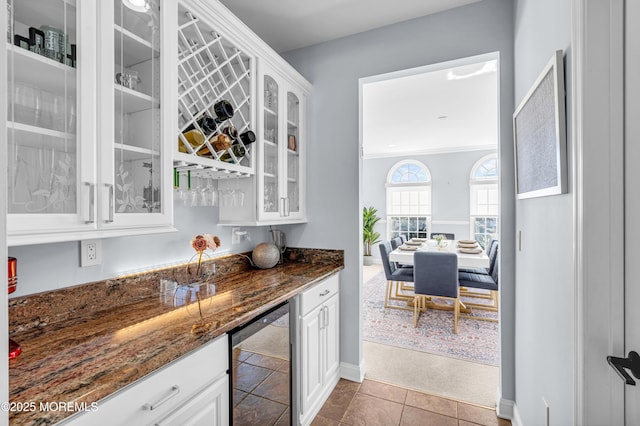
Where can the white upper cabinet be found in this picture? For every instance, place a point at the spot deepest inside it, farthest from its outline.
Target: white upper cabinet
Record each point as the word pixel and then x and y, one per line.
pixel 87 155
pixel 137 78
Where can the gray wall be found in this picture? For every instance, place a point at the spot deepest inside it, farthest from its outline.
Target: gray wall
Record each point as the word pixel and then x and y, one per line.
pixel 544 320
pixel 48 266
pixel 334 170
pixel 449 189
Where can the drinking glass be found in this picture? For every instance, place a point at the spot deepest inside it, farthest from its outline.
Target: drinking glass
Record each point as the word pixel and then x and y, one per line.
pixel 25 104
pixel 58 113
pixel 71 114
pixel 46 110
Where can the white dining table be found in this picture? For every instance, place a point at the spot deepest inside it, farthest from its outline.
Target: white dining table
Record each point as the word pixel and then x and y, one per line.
pixel 465 260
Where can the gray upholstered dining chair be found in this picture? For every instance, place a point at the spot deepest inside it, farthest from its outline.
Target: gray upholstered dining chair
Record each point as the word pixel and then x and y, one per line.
pixel 395 276
pixel 482 282
pixel 435 275
pixel 492 253
pixel 403 238
pixel 396 242
pixel 447 235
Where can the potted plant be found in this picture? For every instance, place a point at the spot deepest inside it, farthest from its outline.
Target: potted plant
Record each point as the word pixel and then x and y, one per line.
pixel 369 236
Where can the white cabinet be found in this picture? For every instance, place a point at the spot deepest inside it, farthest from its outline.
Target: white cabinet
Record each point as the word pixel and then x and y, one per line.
pixel 70 175
pixel 319 346
pixel 276 195
pixel 193 390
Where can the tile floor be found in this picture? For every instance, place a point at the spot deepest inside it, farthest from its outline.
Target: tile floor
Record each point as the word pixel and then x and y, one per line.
pixel 260 390
pixel 375 403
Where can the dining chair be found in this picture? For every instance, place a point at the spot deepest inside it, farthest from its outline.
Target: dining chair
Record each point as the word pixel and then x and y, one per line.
pixel 395 277
pixel 447 235
pixel 435 275
pixel 492 253
pixel 396 242
pixel 403 237
pixel 482 282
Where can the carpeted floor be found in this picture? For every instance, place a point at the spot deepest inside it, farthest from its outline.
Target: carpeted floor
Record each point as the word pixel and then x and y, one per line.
pixel 476 341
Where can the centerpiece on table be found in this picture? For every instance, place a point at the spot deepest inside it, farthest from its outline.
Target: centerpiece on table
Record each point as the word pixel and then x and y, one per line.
pixel 441 240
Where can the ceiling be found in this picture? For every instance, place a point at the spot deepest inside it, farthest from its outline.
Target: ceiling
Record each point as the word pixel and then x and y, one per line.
pixel 407 113
pixel 292 24
pixel 451 109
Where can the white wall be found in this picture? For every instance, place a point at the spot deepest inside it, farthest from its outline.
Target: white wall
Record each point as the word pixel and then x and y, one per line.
pixel 334 201
pixel 544 277
pixel 49 266
pixel 449 189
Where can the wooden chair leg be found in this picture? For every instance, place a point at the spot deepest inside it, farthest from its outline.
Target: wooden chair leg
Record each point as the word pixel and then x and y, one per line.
pixel 456 312
pixel 416 309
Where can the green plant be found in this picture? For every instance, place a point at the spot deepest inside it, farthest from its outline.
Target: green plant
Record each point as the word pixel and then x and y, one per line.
pixel 369 236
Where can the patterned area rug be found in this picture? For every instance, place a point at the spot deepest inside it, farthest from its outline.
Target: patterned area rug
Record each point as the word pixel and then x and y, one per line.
pixel 476 341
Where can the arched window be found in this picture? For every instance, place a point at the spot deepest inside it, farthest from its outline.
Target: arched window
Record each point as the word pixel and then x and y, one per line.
pixel 408 200
pixel 484 199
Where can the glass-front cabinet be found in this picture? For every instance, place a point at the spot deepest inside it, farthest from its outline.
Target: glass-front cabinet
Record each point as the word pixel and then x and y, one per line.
pixel 81 157
pixel 276 194
pixel 46 174
pixel 135 166
pixel 280 177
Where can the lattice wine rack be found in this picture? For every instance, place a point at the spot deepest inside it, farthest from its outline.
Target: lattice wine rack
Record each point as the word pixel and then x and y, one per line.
pixel 211 69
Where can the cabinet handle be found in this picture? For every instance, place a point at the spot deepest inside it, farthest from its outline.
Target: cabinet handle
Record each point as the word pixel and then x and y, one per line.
pixel 324 293
pixel 326 316
pixel 286 206
pixel 92 202
pixel 282 212
pixel 321 322
pixel 110 186
pixel 175 390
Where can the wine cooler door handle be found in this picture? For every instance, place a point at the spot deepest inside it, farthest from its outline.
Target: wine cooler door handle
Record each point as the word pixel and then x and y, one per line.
pixel 92 202
pixel 111 208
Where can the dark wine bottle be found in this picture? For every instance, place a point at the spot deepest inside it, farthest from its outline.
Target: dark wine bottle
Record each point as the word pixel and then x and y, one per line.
pixel 206 123
pixel 238 150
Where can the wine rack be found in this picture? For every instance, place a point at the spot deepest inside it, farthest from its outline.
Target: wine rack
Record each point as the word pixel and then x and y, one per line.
pixel 211 69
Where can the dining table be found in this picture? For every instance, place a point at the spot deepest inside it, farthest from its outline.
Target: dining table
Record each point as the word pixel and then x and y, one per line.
pixel 404 254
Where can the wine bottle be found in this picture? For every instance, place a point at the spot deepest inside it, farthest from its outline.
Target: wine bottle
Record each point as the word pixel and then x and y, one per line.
pixel 238 150
pixel 206 123
pixel 194 137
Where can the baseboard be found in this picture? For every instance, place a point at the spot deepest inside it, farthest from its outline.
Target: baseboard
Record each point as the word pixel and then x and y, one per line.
pixel 352 372
pixel 507 409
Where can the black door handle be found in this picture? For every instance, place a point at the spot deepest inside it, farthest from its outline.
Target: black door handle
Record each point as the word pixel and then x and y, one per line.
pixel 632 362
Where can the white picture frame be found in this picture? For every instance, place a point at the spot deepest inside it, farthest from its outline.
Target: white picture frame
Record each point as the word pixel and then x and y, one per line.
pixel 539 135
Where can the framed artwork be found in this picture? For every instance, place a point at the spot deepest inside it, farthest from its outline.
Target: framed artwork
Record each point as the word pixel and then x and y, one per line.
pixel 539 134
pixel 292 142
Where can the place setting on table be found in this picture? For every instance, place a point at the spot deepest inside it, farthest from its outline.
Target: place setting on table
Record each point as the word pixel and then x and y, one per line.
pixel 470 253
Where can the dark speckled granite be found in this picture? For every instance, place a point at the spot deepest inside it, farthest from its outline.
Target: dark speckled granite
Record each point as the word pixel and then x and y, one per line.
pixel 85 342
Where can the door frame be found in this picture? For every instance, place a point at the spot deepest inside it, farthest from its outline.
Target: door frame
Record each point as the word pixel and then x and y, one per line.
pixel 598 127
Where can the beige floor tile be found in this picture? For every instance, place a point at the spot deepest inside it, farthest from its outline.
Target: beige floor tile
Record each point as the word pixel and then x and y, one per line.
pixel 372 411
pixel 478 415
pixel 433 403
pixel 339 400
pixel 384 391
pixel 412 416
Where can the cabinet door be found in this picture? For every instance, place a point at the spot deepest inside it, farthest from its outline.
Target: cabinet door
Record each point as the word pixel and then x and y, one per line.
pixel 311 368
pixel 50 175
pixel 136 89
pixel 332 338
pixel 294 149
pixel 209 407
pixel 270 191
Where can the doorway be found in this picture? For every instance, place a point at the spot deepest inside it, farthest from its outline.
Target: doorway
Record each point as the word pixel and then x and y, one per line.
pixel 450 133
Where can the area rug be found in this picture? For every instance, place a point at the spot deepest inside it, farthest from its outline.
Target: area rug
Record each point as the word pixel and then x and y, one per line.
pixel 476 341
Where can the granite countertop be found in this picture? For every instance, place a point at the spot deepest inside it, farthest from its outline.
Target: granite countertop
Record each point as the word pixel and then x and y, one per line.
pixel 82 343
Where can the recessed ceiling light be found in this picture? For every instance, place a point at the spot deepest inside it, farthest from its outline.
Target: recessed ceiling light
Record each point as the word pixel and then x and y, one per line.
pixel 392 145
pixel 137 5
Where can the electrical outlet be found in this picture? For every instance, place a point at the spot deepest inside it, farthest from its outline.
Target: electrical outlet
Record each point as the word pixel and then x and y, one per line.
pixel 90 252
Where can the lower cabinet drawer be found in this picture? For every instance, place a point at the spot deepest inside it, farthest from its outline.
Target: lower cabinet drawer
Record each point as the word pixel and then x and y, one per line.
pixel 319 293
pixel 155 398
